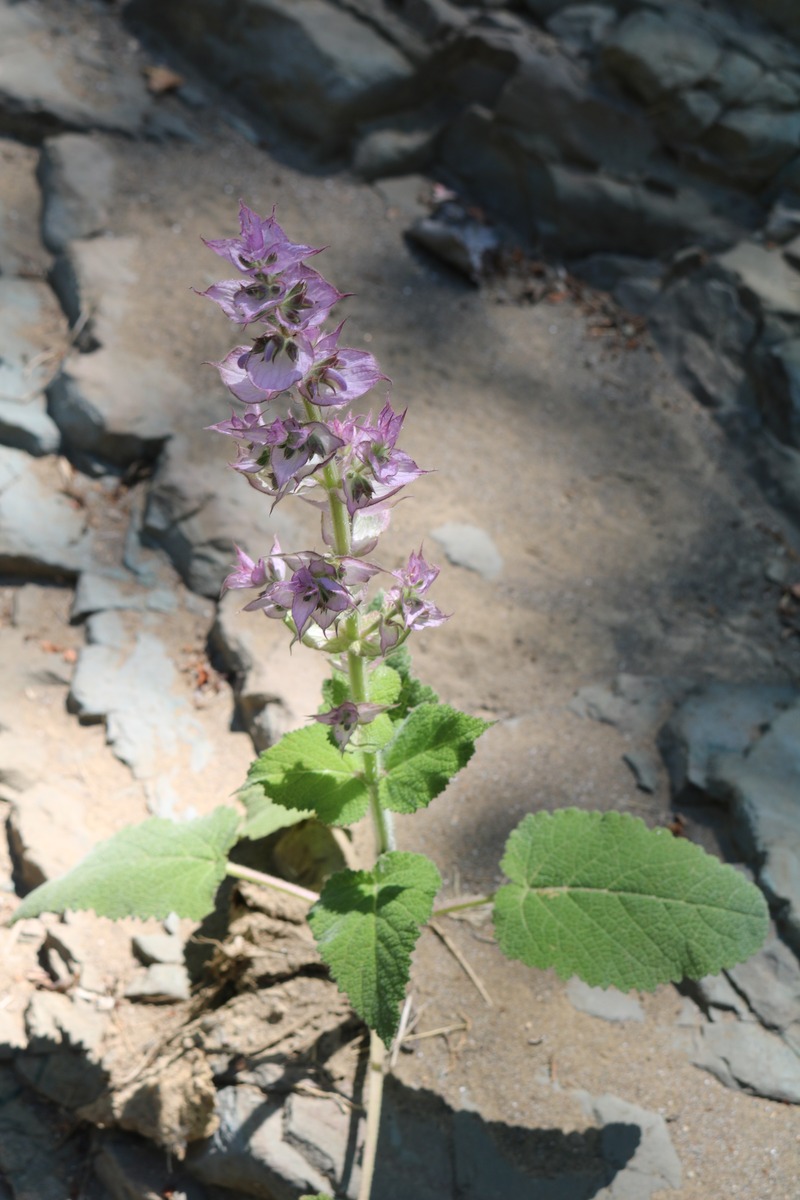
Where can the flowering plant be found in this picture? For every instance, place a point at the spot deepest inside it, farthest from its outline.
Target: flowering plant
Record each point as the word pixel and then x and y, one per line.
pixel 592 894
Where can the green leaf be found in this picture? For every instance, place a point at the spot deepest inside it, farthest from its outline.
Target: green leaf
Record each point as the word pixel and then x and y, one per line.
pixel 335 691
pixel 305 771
pixel 383 685
pixel 263 815
pixel 413 692
pixel 601 896
pixel 431 746
pixel 146 870
pixel 366 924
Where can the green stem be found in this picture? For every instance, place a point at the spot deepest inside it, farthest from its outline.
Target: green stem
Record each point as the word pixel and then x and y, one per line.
pixel 377 1056
pixel 461 907
pixel 270 881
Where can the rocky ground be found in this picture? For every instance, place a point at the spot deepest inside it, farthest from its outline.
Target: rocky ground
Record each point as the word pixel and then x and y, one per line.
pixel 626 609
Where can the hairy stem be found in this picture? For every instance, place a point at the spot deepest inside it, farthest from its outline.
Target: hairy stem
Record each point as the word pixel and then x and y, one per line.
pixel 375 1069
pixel 462 906
pixel 271 881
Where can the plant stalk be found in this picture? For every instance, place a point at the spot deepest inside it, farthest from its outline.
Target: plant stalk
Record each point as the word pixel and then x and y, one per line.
pixel 271 881
pixel 377 1056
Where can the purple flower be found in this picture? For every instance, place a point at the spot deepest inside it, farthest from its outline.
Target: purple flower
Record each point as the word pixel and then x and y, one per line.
pixel 244 428
pixel 316 592
pixel 255 574
pixel 261 246
pixel 346 717
pixel 338 375
pixel 235 377
pixel 277 361
pixel 404 608
pixel 298 298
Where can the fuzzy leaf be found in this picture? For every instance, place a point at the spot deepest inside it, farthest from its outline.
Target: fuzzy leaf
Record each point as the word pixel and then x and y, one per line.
pixel 431 746
pixel 305 771
pixel 263 815
pixel 383 685
pixel 413 693
pixel 601 896
pixel 146 870
pixel 366 924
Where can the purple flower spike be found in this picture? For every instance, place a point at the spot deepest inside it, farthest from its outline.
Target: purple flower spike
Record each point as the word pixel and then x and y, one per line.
pixel 261 246
pixel 346 717
pixel 277 362
pixel 338 375
pixel 239 383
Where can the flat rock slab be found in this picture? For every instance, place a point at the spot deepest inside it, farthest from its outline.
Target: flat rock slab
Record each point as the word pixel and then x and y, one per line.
pixel 763 789
pixel 45 88
pixel 653 1165
pixel 722 718
pixel 318 65
pixel 42 532
pixel 607 1003
pixel 76 173
pixel 745 1056
pixel 33 337
pixel 21 249
pixel 470 547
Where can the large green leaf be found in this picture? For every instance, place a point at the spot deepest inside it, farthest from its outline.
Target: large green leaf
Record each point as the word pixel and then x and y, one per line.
pixel 146 870
pixel 264 816
pixel 601 896
pixel 305 771
pixel 430 747
pixel 366 924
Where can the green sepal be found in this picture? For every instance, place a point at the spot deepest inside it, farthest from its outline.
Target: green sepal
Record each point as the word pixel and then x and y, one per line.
pixel 366 924
pixel 306 772
pixel 146 870
pixel 431 745
pixel 601 896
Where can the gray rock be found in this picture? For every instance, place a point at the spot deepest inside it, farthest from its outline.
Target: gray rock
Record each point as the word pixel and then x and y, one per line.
pixel 132 1169
pixel 103 405
pixel 42 90
pixel 770 982
pixel 248 1152
pixel 607 1003
pixel 27 426
pixel 753 144
pixel 778 373
pixel 654 1163
pixel 93 279
pixel 765 280
pixel 133 690
pixel 388 151
pixel 321 1130
pixel 76 173
pixel 32 336
pixel 98 592
pixel 319 67
pixel 582 27
pixel 720 718
pixel 52 1020
pixel 746 1057
pixel 41 533
pixel 157 948
pixel 763 789
pixel 470 547
pixel 717 992
pixel 21 250
pixel 451 234
pixel 657 53
pixel 161 983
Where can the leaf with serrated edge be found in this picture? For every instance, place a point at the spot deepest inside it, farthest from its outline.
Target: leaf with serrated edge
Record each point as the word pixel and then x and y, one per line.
pixel 366 924
pixel 146 870
pixel 601 896
pixel 305 771
pixel 263 816
pixel 431 746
